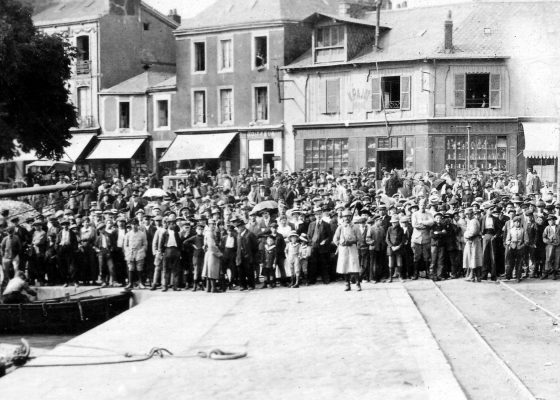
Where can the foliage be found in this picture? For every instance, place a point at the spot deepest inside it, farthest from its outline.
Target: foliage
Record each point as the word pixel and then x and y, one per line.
pixel 35 110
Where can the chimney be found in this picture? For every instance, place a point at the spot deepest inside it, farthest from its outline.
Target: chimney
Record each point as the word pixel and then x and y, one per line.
pixel 174 16
pixel 448 41
pixel 344 7
pixel 356 8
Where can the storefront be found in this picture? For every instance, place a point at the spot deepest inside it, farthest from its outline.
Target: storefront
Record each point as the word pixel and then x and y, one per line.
pixel 542 142
pixel 414 146
pixel 261 149
pixel 114 157
pixel 208 150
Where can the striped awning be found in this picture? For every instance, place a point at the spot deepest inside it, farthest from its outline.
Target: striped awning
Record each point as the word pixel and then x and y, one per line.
pixel 542 139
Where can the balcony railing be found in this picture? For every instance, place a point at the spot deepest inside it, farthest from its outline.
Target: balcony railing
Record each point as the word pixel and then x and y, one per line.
pixel 87 121
pixel 83 67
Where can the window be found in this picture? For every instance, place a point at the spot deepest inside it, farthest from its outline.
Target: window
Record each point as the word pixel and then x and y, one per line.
pixel 225 56
pixel 82 45
pixel 326 154
pixel 146 26
pixel 124 114
pixel 329 44
pixel 82 59
pixel 199 105
pixel 478 90
pixel 199 57
pixel 391 93
pixel 261 103
pixel 226 106
pixel 486 152
pixel 162 118
pixel 261 52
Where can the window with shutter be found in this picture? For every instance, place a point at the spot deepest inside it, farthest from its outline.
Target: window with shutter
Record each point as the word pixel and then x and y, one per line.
pixel 333 96
pixel 405 92
pixel 376 94
pixel 495 91
pixel 460 90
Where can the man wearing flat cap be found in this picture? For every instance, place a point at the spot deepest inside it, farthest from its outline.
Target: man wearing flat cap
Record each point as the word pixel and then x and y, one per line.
pixel 319 234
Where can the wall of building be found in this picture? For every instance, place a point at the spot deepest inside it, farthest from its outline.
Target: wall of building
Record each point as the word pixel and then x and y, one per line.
pixel 110 115
pixel 242 78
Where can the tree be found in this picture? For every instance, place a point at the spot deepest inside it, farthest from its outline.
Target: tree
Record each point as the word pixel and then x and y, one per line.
pixel 35 110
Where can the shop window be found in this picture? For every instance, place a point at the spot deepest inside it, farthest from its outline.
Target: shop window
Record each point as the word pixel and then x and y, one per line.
pixel 371 145
pixel 226 106
pixel 486 152
pixel 391 93
pixel 199 106
pixel 329 44
pixel 384 143
pixel 261 103
pixel 409 153
pixel 162 113
pixel 326 154
pixel 261 52
pixel 478 90
pixel 226 55
pixel 124 114
pixel 199 56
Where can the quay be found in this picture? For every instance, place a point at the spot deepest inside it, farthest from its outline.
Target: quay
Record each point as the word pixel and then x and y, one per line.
pixel 312 343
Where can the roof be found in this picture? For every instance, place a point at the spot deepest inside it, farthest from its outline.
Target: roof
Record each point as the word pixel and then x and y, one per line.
pixel 232 14
pixel 48 12
pixel 313 18
pixel 140 84
pixel 493 29
pixel 169 84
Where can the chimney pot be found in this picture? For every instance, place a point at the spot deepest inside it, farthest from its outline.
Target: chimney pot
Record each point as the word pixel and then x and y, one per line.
pixel 174 16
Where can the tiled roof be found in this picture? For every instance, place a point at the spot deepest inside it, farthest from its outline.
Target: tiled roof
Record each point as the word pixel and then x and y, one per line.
pixel 60 11
pixel 480 30
pixel 139 84
pixel 232 13
pixel 167 84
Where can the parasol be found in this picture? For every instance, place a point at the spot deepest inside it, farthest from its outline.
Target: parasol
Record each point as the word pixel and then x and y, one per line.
pixel 265 205
pixel 154 192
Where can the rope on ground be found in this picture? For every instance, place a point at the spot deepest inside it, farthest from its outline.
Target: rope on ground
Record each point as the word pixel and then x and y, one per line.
pixel 215 354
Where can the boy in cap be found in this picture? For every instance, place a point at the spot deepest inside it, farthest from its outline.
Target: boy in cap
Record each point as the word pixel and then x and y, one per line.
pixel 515 241
pixel 438 233
pixel 303 255
pixel 292 258
pixel 395 243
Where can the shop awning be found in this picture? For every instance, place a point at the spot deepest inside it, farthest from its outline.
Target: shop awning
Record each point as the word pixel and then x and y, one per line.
pixel 541 139
pixel 50 164
pixel 78 144
pixel 115 149
pixel 198 147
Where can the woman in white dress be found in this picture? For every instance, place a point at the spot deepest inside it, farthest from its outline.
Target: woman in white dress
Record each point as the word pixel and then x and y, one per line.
pixel 348 238
pixel 212 262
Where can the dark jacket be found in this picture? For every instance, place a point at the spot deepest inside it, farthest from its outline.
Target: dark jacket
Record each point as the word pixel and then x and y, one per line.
pixel 247 247
pixel 324 234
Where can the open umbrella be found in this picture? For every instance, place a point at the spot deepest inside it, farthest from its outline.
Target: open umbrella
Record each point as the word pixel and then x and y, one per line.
pixel 154 192
pixel 265 205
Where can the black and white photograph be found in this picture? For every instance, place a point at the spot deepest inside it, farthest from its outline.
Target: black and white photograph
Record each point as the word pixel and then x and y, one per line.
pixel 280 199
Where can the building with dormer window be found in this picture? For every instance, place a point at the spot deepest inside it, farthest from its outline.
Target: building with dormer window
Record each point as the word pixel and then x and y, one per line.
pixel 456 85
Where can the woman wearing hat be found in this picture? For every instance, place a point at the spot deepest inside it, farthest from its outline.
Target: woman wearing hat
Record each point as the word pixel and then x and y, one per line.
pixel 472 254
pixel 347 238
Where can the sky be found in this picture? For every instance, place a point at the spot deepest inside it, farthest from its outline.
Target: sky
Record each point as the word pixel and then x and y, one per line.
pixel 185 8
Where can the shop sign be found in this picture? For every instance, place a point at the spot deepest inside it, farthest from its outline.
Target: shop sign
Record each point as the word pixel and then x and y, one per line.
pixel 276 158
pixel 260 134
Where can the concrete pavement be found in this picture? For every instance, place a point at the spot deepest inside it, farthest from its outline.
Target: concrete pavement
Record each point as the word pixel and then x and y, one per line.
pixel 309 343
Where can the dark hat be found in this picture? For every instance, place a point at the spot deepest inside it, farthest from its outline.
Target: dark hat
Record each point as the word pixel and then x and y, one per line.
pixel 551 217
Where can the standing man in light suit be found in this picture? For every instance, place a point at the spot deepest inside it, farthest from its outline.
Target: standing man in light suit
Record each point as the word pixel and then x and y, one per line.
pixel 135 246
pixel 422 221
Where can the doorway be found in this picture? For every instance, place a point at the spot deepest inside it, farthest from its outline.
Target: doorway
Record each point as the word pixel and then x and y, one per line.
pixel 389 160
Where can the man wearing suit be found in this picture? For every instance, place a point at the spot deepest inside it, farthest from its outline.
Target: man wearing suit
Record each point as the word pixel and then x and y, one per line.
pixel 67 245
pixel 247 247
pixel 320 236
pixel 104 244
pixel 491 229
pixel 171 245
pixel 134 205
pixel 135 246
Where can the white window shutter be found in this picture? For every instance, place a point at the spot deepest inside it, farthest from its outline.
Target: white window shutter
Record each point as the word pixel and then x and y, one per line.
pixel 460 90
pixel 495 91
pixel 405 92
pixel 376 94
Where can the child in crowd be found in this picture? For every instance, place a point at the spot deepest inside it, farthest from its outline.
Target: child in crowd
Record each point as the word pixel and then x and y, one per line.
pixel 395 243
pixel 269 261
pixel 292 258
pixel 197 242
pixel 304 254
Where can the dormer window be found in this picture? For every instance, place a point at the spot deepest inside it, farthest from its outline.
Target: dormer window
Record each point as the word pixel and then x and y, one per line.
pixel 330 44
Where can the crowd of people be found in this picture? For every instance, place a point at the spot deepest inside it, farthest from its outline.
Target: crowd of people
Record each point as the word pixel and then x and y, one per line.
pixel 219 232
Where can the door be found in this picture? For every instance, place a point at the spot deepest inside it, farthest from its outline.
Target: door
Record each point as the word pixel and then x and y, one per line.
pixel 389 160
